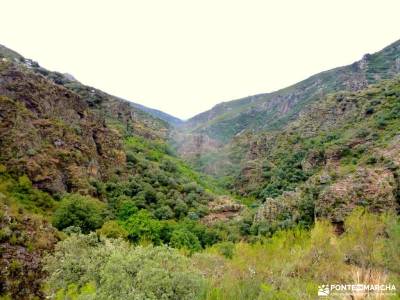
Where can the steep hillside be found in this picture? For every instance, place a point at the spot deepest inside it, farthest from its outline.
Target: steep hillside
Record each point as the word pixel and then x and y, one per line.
pixel 110 106
pixel 95 203
pixel 67 137
pixel 49 133
pixel 76 159
pixel 274 110
pixel 216 141
pixel 160 114
pixel 343 152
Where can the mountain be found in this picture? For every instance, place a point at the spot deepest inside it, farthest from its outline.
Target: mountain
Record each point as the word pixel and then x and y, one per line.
pixel 216 141
pixel 93 96
pixel 75 158
pixel 273 110
pixel 318 148
pixel 63 133
pixel 159 114
pixel 95 201
pixel 341 153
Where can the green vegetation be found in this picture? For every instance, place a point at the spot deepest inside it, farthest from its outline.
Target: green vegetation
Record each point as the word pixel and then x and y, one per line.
pixel 284 175
pixel 116 270
pixel 22 192
pixel 25 235
pixel 79 211
pixel 346 138
pixel 290 265
pixel 158 182
pixel 96 204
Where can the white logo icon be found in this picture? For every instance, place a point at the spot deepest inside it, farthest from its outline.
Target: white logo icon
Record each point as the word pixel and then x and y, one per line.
pixel 323 290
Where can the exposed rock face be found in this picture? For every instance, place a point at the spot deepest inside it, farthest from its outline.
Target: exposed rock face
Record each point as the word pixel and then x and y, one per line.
pixel 49 133
pixel 351 158
pixel 373 188
pixel 195 144
pixel 277 210
pixel 222 209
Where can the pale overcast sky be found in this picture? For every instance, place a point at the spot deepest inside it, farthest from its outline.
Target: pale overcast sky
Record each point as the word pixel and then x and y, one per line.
pixel 183 56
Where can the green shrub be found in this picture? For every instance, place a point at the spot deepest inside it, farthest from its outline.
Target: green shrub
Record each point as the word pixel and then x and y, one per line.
pixel 111 229
pixel 168 165
pixel 226 249
pixel 116 270
pixel 285 175
pixel 183 238
pixel 5 234
pixel 126 209
pixel 80 211
pixel 363 240
pixel 143 227
pixel 371 160
pixel 131 157
pixel 29 196
pixel 164 213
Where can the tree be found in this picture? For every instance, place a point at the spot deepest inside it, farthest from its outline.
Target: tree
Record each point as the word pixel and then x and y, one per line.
pixel 183 238
pixel 112 229
pixel 164 213
pixel 143 227
pixel 80 211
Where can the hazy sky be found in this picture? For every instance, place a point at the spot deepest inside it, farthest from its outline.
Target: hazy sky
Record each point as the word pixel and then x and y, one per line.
pixel 184 56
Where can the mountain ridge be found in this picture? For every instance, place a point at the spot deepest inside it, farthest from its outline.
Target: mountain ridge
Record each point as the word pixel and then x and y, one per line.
pixel 226 116
pixel 216 140
pixel 66 78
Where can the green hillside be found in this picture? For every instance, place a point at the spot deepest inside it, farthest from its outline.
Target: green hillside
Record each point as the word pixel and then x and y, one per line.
pixel 75 159
pixel 266 197
pixel 274 110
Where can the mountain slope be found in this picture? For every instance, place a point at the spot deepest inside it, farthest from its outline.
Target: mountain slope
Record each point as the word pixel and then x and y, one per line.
pixel 217 140
pixel 159 114
pixel 74 158
pixel 113 107
pixel 274 110
pixel 64 135
pixel 342 153
pixel 49 133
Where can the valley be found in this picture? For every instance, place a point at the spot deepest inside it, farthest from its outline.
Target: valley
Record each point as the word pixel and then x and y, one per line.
pixel 264 197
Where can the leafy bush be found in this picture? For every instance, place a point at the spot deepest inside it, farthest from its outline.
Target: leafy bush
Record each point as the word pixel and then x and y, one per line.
pixel 164 213
pixel 111 229
pixel 80 211
pixel 126 208
pixel 226 249
pixel 183 238
pixel 143 227
pixel 117 270
pixel 363 251
pixel 30 197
